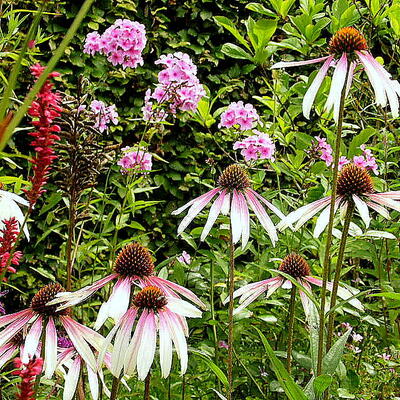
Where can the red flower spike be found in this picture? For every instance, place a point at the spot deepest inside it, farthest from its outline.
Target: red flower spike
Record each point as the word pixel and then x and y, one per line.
pixel 8 236
pixel 28 372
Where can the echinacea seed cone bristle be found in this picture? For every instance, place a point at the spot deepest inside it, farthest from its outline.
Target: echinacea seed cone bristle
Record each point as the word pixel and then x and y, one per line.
pixel 347 40
pixel 354 180
pixel 151 298
pixel 43 296
pixel 295 266
pixel 134 260
pixel 234 177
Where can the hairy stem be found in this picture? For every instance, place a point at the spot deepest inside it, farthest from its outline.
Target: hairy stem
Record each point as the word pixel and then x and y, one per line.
pixel 214 327
pixel 329 236
pixel 339 263
pixel 115 388
pixel 290 328
pixel 71 234
pixel 146 395
pixel 230 313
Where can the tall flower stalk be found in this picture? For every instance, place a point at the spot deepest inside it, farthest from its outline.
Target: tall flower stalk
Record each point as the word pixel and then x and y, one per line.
pixel 231 284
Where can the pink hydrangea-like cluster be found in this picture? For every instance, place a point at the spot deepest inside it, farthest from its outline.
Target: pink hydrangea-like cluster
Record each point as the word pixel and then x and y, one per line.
pixel 103 114
pixel 178 88
pixel 122 43
pixel 256 146
pixel 239 114
pixel 135 160
pixel 366 160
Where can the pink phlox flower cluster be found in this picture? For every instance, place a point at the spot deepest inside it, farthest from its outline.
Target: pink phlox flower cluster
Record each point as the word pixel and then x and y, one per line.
pixel 122 43
pixel 184 258
pixel 239 114
pixel 103 114
pixel 135 160
pixel 256 146
pixel 178 87
pixel 366 160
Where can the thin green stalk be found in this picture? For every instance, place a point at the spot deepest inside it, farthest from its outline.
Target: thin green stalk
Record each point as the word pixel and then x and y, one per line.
pixel 183 387
pixel 290 328
pixel 146 395
pixel 12 80
pixel 42 79
pixel 230 312
pixel 214 327
pixel 329 236
pixel 339 263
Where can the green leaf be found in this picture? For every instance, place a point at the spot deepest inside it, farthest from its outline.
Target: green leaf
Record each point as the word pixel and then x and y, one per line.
pixel 234 51
pixel 292 390
pixel 360 139
pixel 321 383
pixel 394 18
pixel 257 7
pixel 332 358
pixel 387 295
pixel 214 368
pixel 230 26
pixel 263 30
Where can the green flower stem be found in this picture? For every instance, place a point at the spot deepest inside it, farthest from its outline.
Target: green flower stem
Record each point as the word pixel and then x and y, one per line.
pixel 115 387
pixel 214 327
pixel 146 395
pixel 71 234
pixel 230 312
pixel 290 328
pixel 329 236
pixel 42 79
pixel 339 263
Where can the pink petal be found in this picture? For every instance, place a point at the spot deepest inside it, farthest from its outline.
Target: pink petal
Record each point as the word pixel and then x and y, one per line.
pixel 9 332
pixel 50 349
pixel 165 347
pixel 187 205
pixel 8 318
pixel 245 220
pixel 7 355
pixel 147 347
pixel 213 214
pixel 274 209
pixel 284 64
pixel 379 209
pixel 32 340
pixel 384 201
pixel 236 222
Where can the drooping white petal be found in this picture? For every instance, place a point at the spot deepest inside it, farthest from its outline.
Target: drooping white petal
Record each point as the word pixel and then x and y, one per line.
pixel 182 307
pixel 274 209
pixel 213 214
pixel 352 67
pixel 286 64
pixel 379 209
pixel 71 380
pixel 147 347
pixel 236 222
pixel 323 219
pixel 384 201
pixel 50 349
pixel 12 329
pixel 32 340
pixel 165 347
pixel 245 220
pixel 93 383
pixel 362 209
pixel 191 202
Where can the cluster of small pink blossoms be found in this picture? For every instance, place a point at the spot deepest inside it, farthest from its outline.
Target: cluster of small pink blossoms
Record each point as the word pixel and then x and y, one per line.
pixel 366 160
pixel 239 114
pixel 135 160
pixel 122 43
pixel 103 114
pixel 178 87
pixel 257 146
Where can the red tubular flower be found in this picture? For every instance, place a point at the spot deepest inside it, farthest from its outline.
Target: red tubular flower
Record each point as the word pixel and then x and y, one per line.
pixel 45 108
pixel 8 236
pixel 28 372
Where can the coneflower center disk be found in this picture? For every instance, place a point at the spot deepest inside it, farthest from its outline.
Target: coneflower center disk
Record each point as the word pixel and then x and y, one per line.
pixel 151 298
pixel 354 180
pixel 43 296
pixel 134 260
pixel 295 266
pixel 234 177
pixel 347 40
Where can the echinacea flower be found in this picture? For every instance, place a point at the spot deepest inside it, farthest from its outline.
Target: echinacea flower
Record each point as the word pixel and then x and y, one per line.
pixel 9 208
pixel 133 266
pixel 347 49
pixel 354 186
pixel 298 268
pixel 42 318
pixel 10 349
pixel 156 313
pixel 235 195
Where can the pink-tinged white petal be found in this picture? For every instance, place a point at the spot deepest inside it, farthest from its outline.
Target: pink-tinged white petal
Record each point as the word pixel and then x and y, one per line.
pixel 196 208
pixel 9 318
pixel 312 91
pixel 362 209
pixel 182 307
pixel 287 284
pixel 50 349
pixel 380 234
pixel 162 283
pixel 12 329
pixel 305 301
pixel 132 352
pixel 338 81
pixel 244 302
pixel 248 289
pixel 274 209
pixel 262 216
pixel 75 334
pixel 93 381
pixel 384 201
pixel 165 347
pixel 304 213
pixel 374 78
pixel 236 222
pixel 71 380
pixel 352 67
pixel 379 209
pixel 191 202
pixel 323 219
pixel 147 347
pixel 213 215
pixel 7 355
pixel 394 195
pixel 245 220
pixel 122 340
pixel 226 205
pixel 286 64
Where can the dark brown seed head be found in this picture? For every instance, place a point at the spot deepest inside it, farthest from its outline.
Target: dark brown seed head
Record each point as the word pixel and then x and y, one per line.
pixel 151 298
pixel 354 180
pixel 234 177
pixel 134 260
pixel 43 296
pixel 347 40
pixel 295 266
